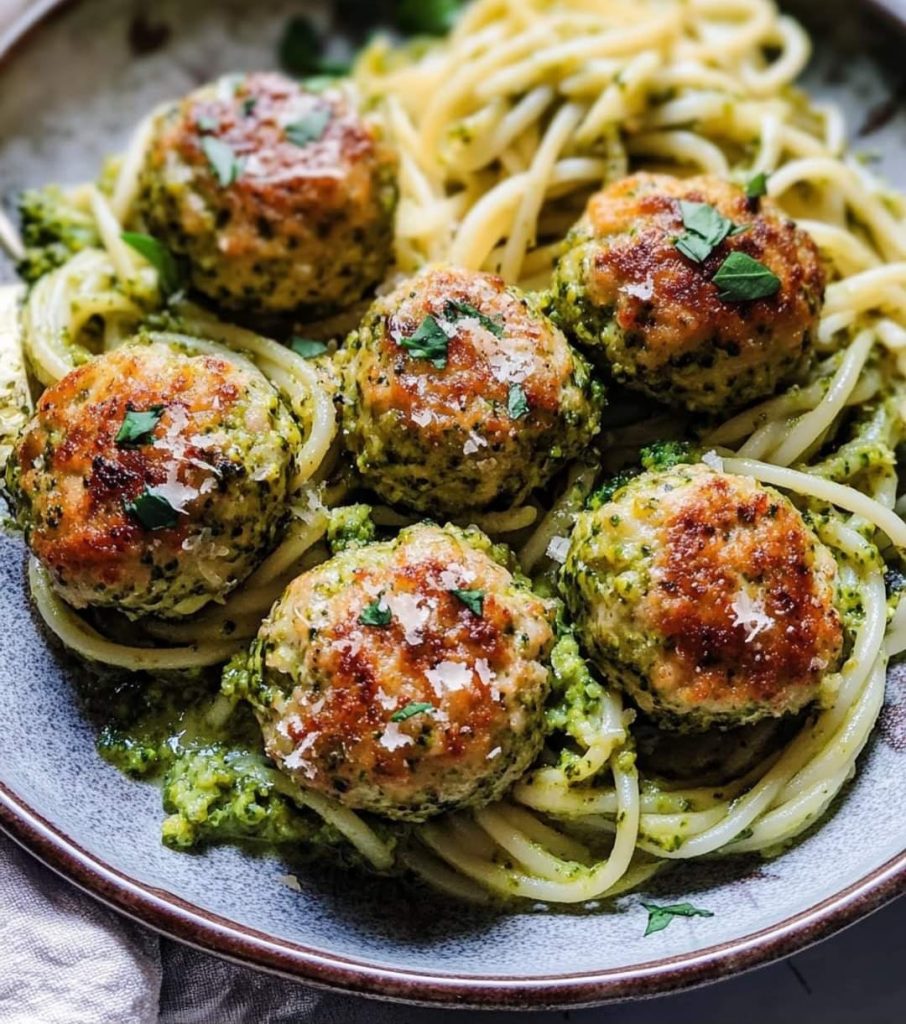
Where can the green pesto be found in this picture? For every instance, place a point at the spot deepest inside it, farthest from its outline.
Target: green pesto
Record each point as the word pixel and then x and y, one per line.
pixel 53 230
pixel 350 526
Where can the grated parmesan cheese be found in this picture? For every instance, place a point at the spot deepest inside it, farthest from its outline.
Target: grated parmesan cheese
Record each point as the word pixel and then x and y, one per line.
pixel 393 737
pixel 713 460
pixel 473 444
pixel 411 613
pixel 643 291
pixel 557 549
pixel 290 881
pixel 448 676
pixel 423 417
pixel 750 615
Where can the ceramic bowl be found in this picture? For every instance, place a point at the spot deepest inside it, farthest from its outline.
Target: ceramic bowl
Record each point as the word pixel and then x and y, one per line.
pixel 71 86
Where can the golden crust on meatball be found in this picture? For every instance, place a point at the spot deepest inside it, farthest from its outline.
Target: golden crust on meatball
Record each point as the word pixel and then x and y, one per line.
pixel 655 315
pixel 278 197
pixel 706 596
pixel 406 677
pixel 460 394
pixel 153 481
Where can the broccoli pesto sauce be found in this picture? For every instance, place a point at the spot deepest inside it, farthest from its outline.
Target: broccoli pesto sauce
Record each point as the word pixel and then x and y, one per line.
pixel 205 751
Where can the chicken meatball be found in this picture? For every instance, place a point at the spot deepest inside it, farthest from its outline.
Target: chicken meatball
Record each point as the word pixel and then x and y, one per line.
pixel 459 394
pixel 153 481
pixel 281 199
pixel 405 677
pixel 705 597
pixel 690 291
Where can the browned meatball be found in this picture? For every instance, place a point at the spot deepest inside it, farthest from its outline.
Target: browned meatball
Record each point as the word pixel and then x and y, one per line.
pixel 706 597
pixel 280 198
pixel 656 314
pixel 152 481
pixel 407 677
pixel 459 394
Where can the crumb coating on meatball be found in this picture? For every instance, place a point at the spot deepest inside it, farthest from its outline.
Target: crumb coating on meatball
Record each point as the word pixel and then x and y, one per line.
pixel 656 318
pixel 706 597
pixel 505 404
pixel 406 677
pixel 217 460
pixel 280 199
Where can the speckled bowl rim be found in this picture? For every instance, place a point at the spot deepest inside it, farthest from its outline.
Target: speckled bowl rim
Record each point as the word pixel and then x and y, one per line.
pixel 174 917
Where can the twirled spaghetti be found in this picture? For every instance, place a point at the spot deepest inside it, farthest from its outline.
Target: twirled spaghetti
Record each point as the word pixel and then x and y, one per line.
pixel 503 130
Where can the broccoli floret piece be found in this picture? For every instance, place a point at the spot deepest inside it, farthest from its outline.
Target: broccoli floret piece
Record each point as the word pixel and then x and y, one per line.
pixel 667 454
pixel 601 495
pixel 219 794
pixel 53 230
pixel 350 527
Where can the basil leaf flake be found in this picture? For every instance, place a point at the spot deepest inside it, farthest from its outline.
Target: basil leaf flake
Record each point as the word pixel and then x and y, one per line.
pixel 409 710
pixel 310 128
pixel 248 105
pixel 456 310
pixel 159 256
pixel 660 917
pixel 152 510
pixel 308 348
pixel 472 599
pixel 428 342
pixel 705 228
pixel 375 614
pixel 758 186
pixel 137 427
pixel 743 279
pixel 224 163
pixel 516 402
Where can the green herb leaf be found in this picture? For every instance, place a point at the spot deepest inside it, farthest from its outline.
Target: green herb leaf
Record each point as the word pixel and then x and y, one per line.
pixel 299 51
pixel 152 510
pixel 705 228
pixel 758 186
pixel 742 279
pixel 427 17
pixel 409 710
pixel 308 348
pixel 428 342
pixel 159 256
pixel 137 427
pixel 310 128
pixel 472 599
pixel 375 614
pixel 516 403
pixel 248 105
pixel 455 310
pixel 224 162
pixel 660 917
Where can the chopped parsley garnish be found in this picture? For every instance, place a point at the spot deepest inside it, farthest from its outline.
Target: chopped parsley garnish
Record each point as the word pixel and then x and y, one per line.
pixel 742 279
pixel 516 403
pixel 705 228
pixel 660 917
pixel 224 163
pixel 758 186
pixel 375 614
pixel 299 51
pixel 428 342
pixel 308 348
pixel 310 128
pixel 152 510
pixel 159 256
pixel 248 105
pixel 427 17
pixel 409 710
pixel 472 599
pixel 456 310
pixel 137 427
